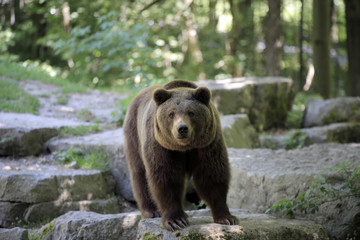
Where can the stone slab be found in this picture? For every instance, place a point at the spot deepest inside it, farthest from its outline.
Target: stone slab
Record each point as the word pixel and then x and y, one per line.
pixel 251 226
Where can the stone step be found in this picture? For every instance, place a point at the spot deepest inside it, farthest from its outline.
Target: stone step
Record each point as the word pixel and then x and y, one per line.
pixel 336 132
pixel 32 195
pixel 88 225
pixel 111 143
pixel 23 134
pixel 261 177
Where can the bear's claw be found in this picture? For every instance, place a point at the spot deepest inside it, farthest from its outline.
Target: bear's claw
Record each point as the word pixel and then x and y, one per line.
pixel 228 220
pixel 175 224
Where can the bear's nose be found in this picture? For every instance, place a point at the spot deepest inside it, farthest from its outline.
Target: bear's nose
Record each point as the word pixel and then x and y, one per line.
pixel 183 129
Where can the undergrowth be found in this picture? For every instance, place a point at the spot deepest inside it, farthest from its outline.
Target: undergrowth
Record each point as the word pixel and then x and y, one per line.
pixel 322 191
pixel 78 131
pixel 15 99
pixel 96 159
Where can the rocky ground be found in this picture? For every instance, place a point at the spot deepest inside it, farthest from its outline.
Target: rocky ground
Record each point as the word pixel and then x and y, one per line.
pixel 73 203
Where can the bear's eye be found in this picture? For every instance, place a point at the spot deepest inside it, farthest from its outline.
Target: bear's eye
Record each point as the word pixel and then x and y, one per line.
pixel 172 115
pixel 191 114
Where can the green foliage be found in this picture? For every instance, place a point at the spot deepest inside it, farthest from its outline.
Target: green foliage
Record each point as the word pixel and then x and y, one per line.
pixel 296 140
pixel 14 99
pixel 295 116
pixel 111 50
pixel 37 71
pixel 118 116
pixel 95 159
pixel 322 191
pixel 78 131
pixel 21 223
pixel 85 115
pixel 36 235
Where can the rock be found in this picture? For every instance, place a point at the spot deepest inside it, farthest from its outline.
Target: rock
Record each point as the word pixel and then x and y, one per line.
pixel 261 177
pixel 51 210
pixel 89 225
pixel 24 134
pixel 238 131
pixel 336 132
pixel 34 195
pixel 59 184
pixel 11 212
pixel 251 226
pixel 13 234
pixel 111 143
pixel 265 100
pixel 323 112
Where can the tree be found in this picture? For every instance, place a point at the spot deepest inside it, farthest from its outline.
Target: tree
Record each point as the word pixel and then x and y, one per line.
pixel 301 39
pixel 241 40
pixel 273 38
pixel 321 47
pixel 352 15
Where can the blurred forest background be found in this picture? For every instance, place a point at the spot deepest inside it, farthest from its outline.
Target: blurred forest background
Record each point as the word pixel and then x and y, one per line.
pixel 107 43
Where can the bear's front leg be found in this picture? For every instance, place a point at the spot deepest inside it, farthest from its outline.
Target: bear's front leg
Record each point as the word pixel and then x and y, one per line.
pixel 211 177
pixel 166 179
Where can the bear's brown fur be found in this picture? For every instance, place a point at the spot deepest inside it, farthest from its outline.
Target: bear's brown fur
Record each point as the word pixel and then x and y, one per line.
pixel 173 132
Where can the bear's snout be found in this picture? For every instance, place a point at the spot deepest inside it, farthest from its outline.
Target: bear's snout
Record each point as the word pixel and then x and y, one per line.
pixel 183 131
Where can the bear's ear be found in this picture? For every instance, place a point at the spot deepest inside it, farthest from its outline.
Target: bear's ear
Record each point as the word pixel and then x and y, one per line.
pixel 161 95
pixel 202 94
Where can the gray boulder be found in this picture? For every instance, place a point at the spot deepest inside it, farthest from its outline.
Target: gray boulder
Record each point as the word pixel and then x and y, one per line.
pixel 33 195
pixel 13 234
pixel 324 112
pixel 111 143
pixel 59 184
pixel 336 132
pixel 251 226
pixel 90 225
pixel 266 100
pixel 261 177
pixel 24 134
pixel 238 131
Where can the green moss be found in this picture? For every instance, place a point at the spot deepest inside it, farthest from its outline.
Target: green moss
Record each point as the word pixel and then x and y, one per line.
pixel 350 133
pixel 151 236
pixel 45 232
pixel 193 236
pixel 85 115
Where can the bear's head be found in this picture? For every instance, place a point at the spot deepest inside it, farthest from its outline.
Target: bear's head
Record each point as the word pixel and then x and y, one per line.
pixel 185 118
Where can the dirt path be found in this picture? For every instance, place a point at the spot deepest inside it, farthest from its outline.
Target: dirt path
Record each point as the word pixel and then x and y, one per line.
pixel 94 105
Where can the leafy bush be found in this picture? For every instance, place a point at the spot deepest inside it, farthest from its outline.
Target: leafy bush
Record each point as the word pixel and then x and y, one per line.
pixel 112 50
pixel 321 191
pixel 295 116
pixel 296 140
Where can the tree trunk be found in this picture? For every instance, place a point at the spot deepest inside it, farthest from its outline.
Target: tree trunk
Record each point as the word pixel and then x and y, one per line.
pixel 193 55
pixel 321 47
pixel 352 15
pixel 242 30
pixel 301 39
pixel 213 20
pixel 273 38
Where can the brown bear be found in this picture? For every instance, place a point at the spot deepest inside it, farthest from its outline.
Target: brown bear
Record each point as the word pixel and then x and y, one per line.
pixel 173 132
